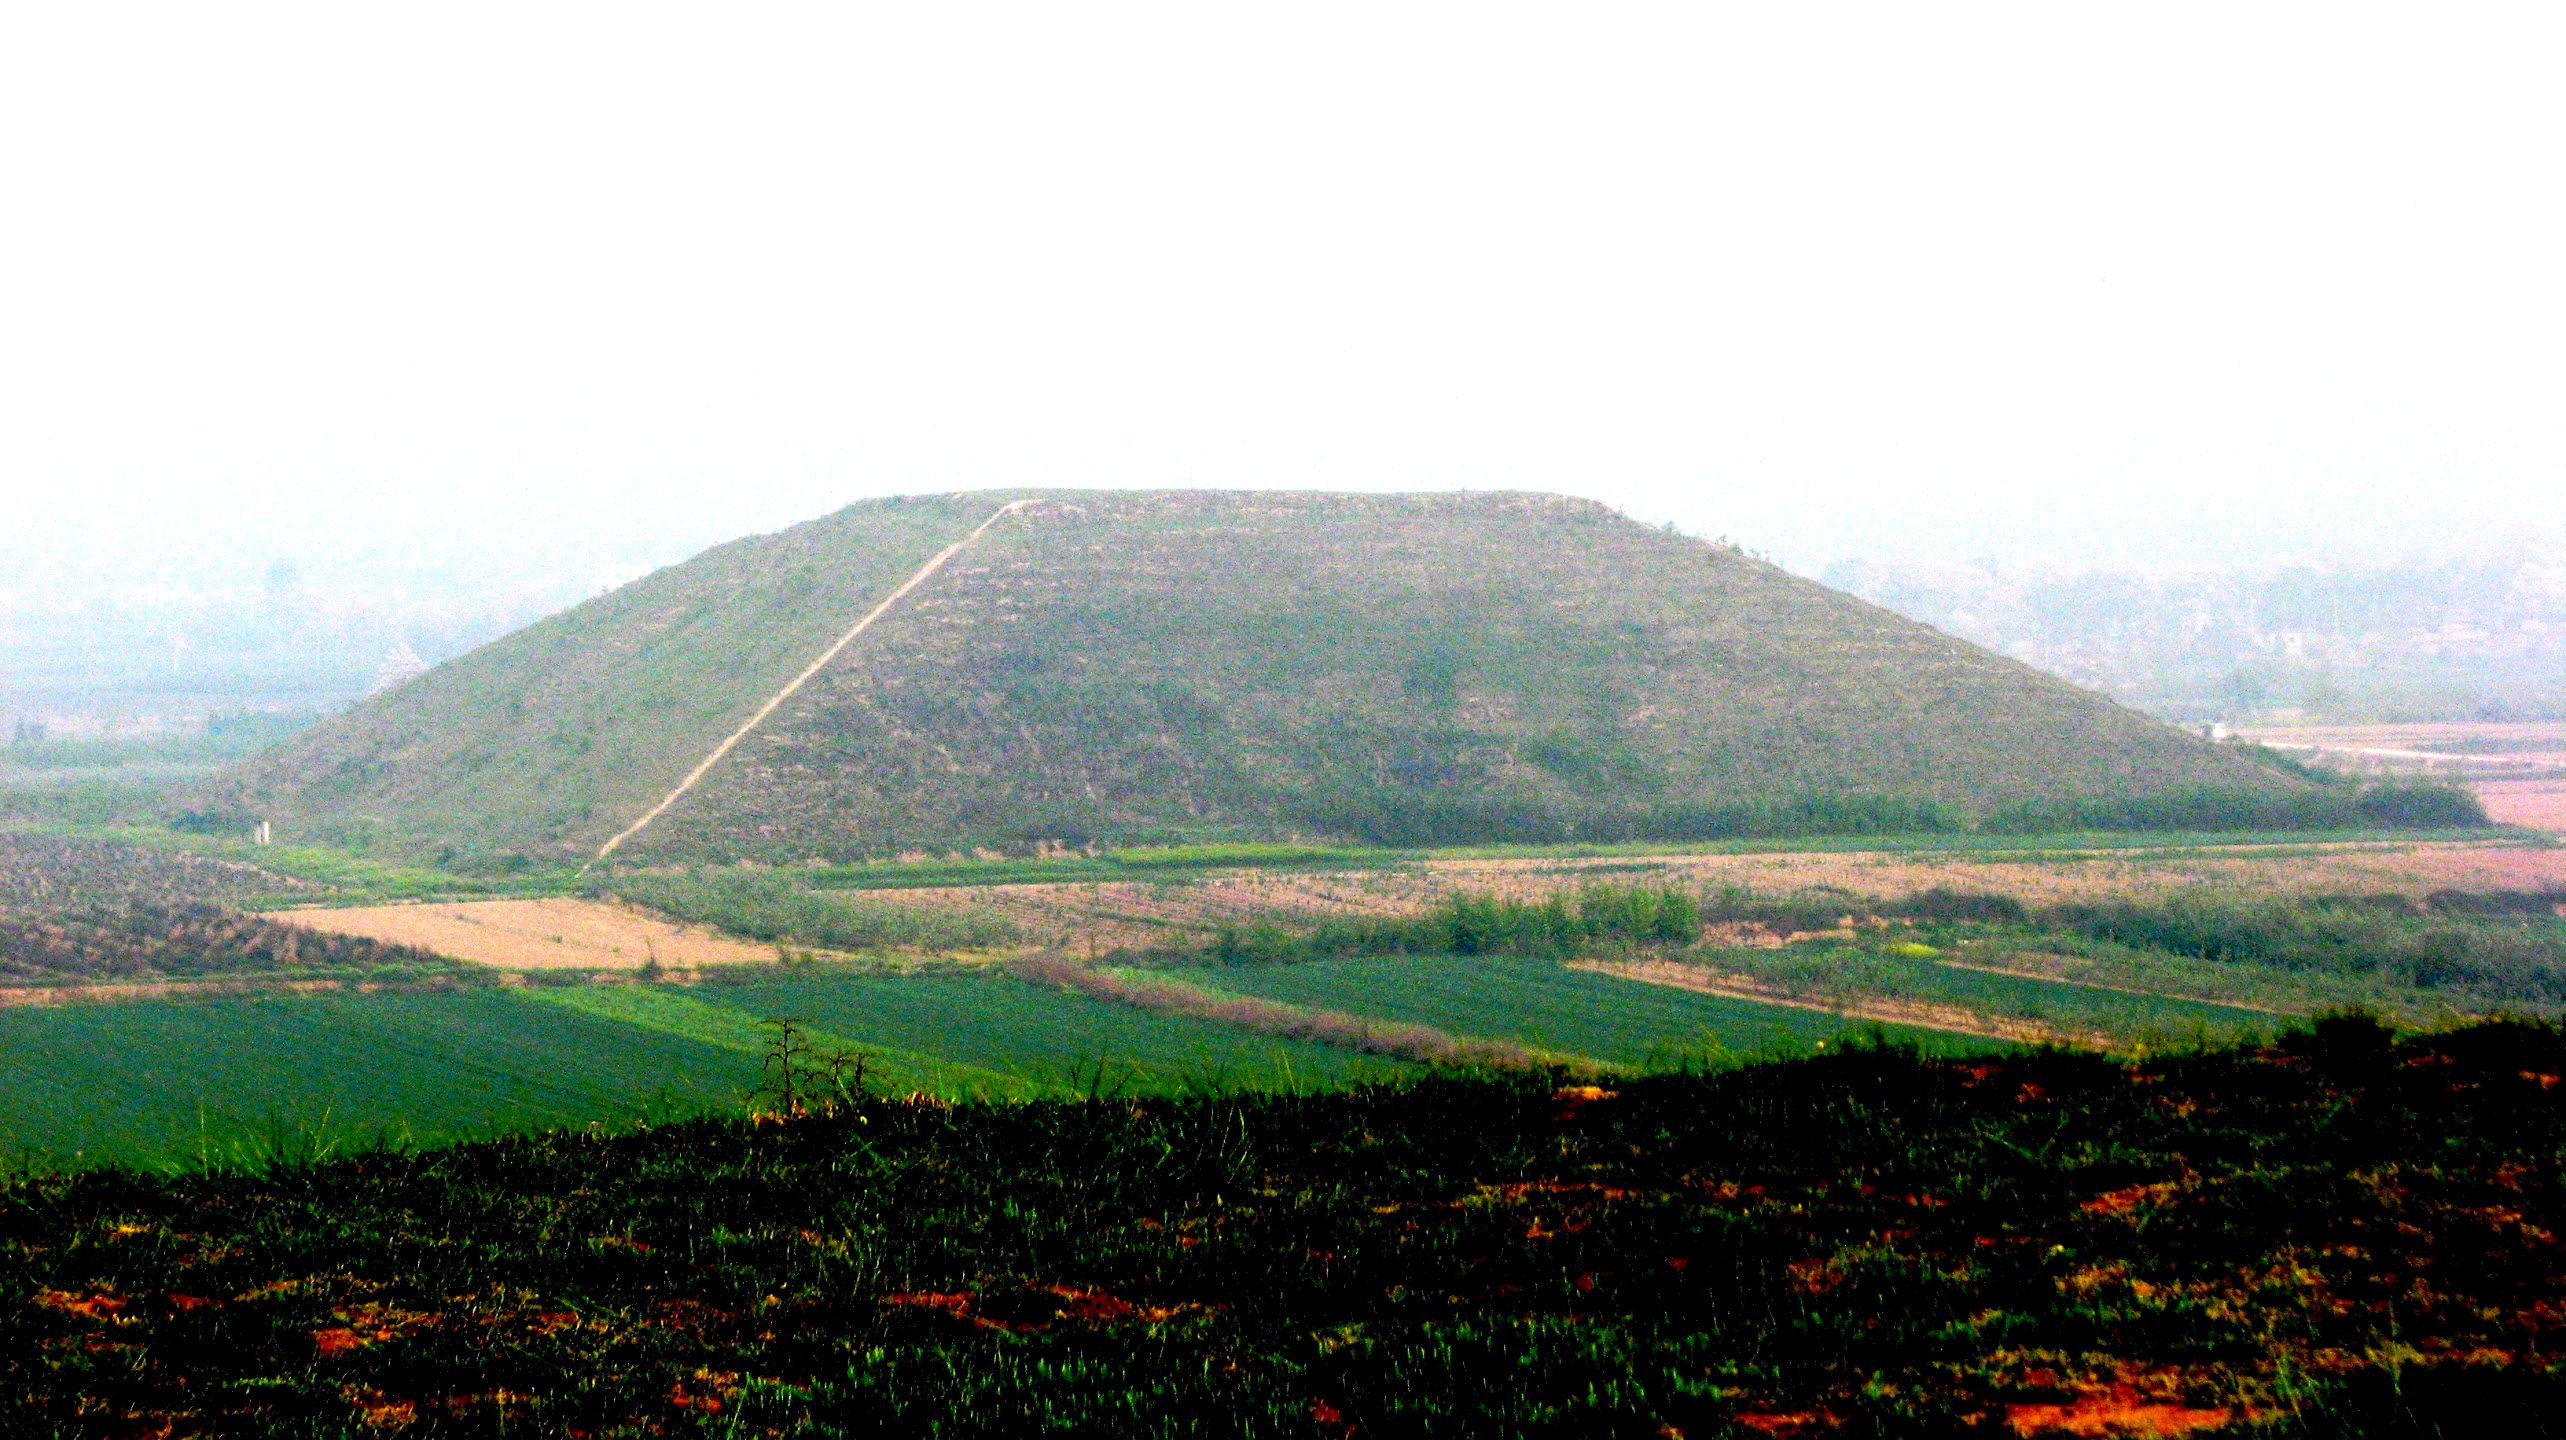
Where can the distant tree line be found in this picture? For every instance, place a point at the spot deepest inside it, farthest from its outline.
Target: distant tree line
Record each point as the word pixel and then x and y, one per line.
pixel 1406 818
pixel 1599 916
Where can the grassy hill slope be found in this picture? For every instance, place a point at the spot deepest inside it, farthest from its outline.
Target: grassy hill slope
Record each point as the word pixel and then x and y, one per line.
pixel 553 738
pixel 1419 668
pixel 1140 666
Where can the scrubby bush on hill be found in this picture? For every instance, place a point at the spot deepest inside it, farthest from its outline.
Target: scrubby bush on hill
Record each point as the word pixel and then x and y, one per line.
pixel 2420 807
pixel 41 872
pixel 1944 903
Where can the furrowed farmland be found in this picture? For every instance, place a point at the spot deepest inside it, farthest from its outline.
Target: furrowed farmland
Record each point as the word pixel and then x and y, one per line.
pixel 164 1082
pixel 1559 1009
pixel 1298 969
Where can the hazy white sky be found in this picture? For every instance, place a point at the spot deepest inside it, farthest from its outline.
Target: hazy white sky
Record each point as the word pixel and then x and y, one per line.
pixel 550 283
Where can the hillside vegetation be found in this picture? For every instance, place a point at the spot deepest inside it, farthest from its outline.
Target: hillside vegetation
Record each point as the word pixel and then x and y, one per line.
pixel 551 739
pixel 1142 667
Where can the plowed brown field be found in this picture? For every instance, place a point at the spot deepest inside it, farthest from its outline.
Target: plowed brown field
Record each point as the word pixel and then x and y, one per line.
pixel 2495 745
pixel 2535 804
pixel 553 934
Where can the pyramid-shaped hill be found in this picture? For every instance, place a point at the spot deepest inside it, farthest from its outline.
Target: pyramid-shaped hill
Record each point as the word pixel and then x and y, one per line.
pixel 1129 667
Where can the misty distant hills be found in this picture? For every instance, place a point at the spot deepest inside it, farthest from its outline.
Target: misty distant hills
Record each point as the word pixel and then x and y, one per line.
pixel 1129 667
pixel 2481 638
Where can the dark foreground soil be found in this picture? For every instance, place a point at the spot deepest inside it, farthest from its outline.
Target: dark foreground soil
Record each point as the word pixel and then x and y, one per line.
pixel 2347 1235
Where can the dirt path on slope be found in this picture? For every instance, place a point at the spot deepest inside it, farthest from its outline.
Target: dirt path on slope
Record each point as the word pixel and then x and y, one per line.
pixel 924 573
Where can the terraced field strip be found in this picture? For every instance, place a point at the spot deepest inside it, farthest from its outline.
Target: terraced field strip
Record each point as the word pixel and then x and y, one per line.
pixel 1097 918
pixel 2063 876
pixel 923 574
pixel 1552 1007
pixel 1053 1039
pixel 689 1016
pixel 1100 917
pixel 2239 1007
pixel 1887 1010
pixel 552 934
pixel 1158 993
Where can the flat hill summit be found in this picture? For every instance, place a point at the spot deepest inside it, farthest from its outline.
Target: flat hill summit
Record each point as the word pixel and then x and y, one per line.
pixel 1015 669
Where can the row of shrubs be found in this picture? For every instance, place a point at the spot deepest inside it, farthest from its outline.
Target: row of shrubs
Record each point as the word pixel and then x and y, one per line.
pixel 2399 805
pixel 1610 916
pixel 1410 819
pixel 2506 946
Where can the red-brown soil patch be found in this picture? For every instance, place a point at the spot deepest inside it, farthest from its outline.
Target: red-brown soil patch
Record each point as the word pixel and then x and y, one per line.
pixel 2117 1410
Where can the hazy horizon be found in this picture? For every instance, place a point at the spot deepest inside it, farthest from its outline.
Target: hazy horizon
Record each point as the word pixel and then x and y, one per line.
pixel 549 296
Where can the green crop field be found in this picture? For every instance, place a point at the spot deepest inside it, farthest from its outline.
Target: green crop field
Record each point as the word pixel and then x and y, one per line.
pixel 165 1081
pixel 1543 1003
pixel 170 1082
pixel 1044 1037
pixel 2069 1004
pixel 2063 1004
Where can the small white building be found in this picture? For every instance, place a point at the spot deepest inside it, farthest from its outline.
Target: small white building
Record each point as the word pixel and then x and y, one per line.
pixel 399 668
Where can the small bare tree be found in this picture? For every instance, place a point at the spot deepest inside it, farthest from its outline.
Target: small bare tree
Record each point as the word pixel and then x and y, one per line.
pixel 802 1078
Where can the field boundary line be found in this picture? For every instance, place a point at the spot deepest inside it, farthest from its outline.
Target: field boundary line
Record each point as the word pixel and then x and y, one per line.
pixel 1948 1018
pixel 2116 989
pixel 924 573
pixel 126 992
pixel 1344 1030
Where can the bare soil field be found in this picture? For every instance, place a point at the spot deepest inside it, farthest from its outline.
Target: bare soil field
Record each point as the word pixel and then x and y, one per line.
pixel 2490 744
pixel 2518 769
pixel 1129 915
pixel 556 934
pixel 2532 804
pixel 2054 876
